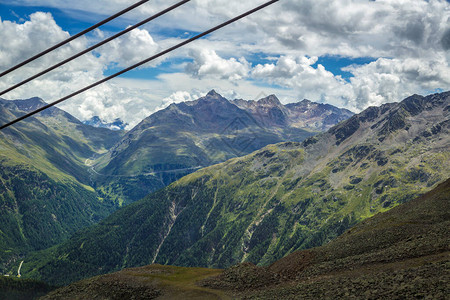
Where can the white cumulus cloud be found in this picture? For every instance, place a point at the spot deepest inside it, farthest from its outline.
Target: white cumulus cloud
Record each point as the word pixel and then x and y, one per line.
pixel 407 40
pixel 389 80
pixel 109 100
pixel 208 63
pixel 129 49
pixel 310 82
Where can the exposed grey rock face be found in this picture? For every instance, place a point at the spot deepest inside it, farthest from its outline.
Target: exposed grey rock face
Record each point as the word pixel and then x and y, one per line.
pixel 304 114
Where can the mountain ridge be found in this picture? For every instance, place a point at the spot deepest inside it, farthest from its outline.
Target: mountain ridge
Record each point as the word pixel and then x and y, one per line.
pixel 196 134
pixel 305 113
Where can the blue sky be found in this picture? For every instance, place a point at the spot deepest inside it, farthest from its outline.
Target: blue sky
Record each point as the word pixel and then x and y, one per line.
pixel 350 54
pixel 73 25
pixel 74 21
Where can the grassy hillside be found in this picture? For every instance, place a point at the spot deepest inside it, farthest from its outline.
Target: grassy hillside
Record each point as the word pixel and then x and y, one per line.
pixel 399 254
pixel 45 187
pixel 266 205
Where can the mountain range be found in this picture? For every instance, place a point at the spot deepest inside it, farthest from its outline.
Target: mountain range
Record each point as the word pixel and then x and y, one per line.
pixel 59 175
pixel 277 200
pixel 187 136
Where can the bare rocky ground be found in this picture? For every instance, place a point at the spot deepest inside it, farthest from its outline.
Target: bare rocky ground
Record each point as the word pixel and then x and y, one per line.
pixel 149 282
pixel 400 254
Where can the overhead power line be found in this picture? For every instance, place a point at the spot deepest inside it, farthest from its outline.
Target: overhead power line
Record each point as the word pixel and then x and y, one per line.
pixel 73 37
pixel 141 63
pixel 94 47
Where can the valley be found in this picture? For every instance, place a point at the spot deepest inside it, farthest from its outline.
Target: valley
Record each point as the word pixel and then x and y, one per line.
pixel 45 193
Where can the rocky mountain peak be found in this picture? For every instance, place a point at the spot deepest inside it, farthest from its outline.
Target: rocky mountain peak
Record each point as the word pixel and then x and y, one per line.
pixel 304 105
pixel 391 118
pixel 213 93
pixel 305 102
pixel 213 96
pixel 271 100
pixel 29 104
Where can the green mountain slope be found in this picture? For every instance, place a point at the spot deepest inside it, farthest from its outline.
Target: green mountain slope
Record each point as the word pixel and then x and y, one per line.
pixel 45 192
pixel 184 137
pixel 277 200
pixel 399 254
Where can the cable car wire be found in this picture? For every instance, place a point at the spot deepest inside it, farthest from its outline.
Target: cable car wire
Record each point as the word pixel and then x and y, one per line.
pixel 94 47
pixel 141 63
pixel 68 40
